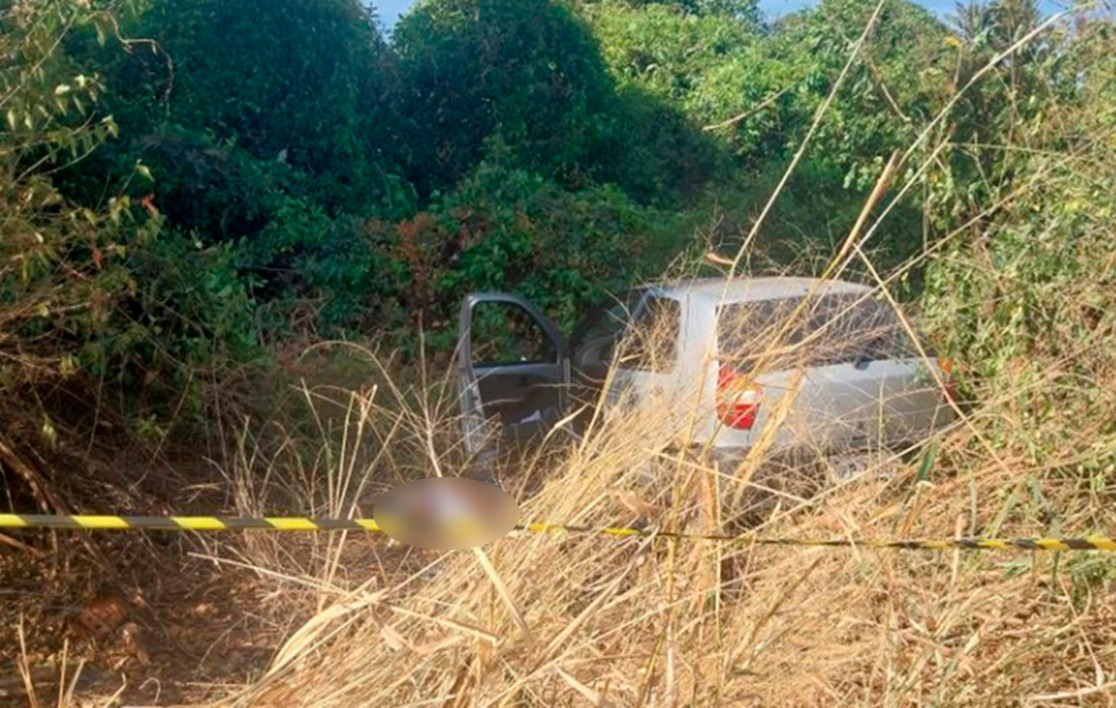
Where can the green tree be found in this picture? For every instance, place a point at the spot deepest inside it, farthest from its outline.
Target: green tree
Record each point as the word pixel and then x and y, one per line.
pixel 527 69
pixel 532 73
pixel 1024 296
pixel 305 85
pixel 709 67
pixel 93 298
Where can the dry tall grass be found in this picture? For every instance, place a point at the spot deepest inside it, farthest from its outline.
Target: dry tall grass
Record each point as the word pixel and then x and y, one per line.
pixel 565 620
pixel 559 620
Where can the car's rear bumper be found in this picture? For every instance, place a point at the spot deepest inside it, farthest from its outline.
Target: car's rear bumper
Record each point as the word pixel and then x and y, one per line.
pixel 730 459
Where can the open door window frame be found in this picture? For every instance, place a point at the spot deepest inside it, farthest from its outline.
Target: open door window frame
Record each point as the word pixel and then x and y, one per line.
pixel 474 419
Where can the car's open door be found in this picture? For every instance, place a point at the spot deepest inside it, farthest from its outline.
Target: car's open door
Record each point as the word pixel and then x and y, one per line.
pixel 513 372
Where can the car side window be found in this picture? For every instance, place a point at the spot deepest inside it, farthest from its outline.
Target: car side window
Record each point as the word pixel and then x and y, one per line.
pixel 653 344
pixel 504 333
pixel 609 320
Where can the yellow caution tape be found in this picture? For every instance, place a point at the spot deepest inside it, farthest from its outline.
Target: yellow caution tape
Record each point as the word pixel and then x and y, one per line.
pixel 183 523
pixel 230 523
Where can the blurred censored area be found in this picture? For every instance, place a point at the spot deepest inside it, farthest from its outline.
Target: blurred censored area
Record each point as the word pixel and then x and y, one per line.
pixel 446 513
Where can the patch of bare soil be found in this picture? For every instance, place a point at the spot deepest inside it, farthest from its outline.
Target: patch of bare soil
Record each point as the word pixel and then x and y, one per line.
pixel 158 627
pixel 174 619
pixel 144 618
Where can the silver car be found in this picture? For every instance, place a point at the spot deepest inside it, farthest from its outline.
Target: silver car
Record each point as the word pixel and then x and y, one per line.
pixel 716 359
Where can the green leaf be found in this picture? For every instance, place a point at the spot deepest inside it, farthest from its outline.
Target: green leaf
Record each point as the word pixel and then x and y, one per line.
pixel 927 463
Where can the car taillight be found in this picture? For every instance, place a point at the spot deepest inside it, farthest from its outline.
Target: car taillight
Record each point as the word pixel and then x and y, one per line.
pixel 950 382
pixel 737 400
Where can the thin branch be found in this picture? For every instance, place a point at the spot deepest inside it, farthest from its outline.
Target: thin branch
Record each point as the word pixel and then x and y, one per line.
pixel 750 112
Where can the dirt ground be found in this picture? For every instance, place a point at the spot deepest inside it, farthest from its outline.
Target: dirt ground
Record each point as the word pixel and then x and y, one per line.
pixel 174 630
pixel 160 618
pixel 148 618
pixel 174 627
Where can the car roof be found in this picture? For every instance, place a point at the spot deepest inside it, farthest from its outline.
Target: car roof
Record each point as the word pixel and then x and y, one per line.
pixel 738 290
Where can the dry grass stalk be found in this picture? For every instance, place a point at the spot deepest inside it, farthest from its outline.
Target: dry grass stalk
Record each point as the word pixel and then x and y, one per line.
pixel 562 620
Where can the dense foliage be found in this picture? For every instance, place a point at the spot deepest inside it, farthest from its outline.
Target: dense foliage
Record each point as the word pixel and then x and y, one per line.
pixel 187 182
pixel 1026 286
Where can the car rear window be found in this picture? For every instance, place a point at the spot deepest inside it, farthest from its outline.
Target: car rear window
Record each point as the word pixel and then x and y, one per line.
pixel 749 332
pixel 833 329
pixel 851 327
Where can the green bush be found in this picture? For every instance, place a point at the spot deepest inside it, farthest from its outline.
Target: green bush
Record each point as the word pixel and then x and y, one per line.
pixel 105 302
pixel 1024 298
pixel 308 84
pixel 174 199
pixel 506 229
